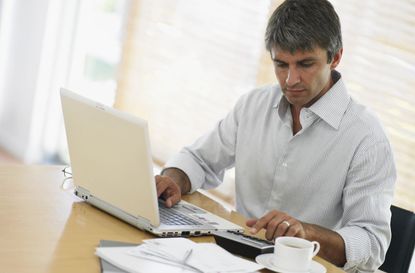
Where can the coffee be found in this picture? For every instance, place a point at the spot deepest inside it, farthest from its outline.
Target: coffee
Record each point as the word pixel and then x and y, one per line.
pixel 293 246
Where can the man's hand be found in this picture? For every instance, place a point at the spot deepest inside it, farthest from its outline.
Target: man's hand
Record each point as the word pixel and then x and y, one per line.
pixel 277 223
pixel 171 184
pixel 168 190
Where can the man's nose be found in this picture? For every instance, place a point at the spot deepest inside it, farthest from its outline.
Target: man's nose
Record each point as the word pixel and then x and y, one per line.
pixel 293 77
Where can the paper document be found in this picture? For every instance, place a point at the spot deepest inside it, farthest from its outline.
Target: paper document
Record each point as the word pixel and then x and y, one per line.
pixel 107 267
pixel 175 255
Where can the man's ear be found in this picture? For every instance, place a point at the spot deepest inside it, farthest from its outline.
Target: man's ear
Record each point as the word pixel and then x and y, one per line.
pixel 336 59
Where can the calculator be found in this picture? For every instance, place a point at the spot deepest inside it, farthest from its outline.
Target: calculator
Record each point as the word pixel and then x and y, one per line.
pixel 242 244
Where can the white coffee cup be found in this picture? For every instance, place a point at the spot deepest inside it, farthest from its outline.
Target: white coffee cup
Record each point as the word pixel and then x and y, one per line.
pixel 294 254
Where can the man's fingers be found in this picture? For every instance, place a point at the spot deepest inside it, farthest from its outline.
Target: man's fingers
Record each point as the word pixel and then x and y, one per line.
pixel 276 227
pixel 276 223
pixel 258 224
pixel 164 186
pixel 293 230
pixel 168 203
pixel 168 190
pixel 281 228
pixel 161 187
pixel 263 222
pixel 172 200
pixel 251 222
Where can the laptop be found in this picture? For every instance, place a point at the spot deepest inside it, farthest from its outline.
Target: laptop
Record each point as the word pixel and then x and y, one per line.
pixel 112 170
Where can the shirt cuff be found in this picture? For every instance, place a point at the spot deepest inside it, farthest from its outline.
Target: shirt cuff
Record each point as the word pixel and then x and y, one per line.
pixel 193 170
pixel 357 247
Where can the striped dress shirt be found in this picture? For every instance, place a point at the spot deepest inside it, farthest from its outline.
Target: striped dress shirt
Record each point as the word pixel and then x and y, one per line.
pixel 337 171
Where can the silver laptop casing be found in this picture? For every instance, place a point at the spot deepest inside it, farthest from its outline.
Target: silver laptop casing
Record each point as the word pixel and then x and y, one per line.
pixel 112 168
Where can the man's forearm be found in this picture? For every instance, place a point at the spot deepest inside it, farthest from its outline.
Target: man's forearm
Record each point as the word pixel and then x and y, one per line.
pixel 179 177
pixel 332 247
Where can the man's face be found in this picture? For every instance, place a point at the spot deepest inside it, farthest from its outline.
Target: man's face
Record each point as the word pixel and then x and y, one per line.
pixel 304 76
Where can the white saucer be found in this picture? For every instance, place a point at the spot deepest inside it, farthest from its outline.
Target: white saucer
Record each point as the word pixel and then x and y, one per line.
pixel 265 260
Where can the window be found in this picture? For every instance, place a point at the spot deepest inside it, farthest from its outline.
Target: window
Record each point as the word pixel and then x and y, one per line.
pixel 378 66
pixel 96 53
pixel 188 57
pixel 97 48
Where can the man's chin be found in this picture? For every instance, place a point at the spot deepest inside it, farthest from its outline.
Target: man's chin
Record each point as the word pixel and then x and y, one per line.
pixel 296 101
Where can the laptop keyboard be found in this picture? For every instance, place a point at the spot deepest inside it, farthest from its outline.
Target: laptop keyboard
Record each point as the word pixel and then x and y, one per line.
pixel 172 217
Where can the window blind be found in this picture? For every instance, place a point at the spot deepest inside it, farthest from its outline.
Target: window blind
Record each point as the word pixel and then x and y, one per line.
pixel 378 67
pixel 186 63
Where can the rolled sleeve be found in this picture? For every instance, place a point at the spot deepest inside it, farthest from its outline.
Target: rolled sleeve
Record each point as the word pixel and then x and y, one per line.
pixel 358 248
pixel 187 164
pixel 367 198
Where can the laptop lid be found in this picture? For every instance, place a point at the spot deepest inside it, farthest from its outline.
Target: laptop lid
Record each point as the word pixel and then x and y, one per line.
pixel 109 151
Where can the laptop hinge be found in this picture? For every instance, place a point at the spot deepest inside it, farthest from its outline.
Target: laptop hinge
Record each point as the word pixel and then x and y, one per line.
pixel 136 221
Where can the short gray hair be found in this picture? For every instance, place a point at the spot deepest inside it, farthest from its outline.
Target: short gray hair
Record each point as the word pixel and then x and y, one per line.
pixel 303 25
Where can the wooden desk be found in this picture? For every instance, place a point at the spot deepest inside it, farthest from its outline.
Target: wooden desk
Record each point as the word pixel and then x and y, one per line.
pixel 47 229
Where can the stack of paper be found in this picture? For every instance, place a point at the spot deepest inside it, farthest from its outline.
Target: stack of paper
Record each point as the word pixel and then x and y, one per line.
pixel 175 255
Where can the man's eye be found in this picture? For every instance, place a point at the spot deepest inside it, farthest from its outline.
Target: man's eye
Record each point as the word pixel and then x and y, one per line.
pixel 280 64
pixel 306 64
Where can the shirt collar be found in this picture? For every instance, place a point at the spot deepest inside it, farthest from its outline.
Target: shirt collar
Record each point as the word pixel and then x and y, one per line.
pixel 330 107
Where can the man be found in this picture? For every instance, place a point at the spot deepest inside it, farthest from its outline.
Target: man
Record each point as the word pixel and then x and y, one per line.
pixel 309 161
